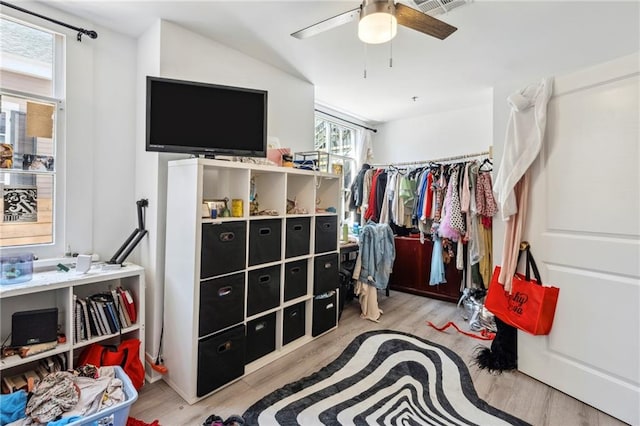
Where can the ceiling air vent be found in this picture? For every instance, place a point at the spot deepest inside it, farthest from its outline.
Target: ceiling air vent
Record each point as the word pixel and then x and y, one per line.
pixel 438 7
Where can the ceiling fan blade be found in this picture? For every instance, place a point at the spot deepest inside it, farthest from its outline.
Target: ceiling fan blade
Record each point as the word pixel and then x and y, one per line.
pixel 327 24
pixel 419 21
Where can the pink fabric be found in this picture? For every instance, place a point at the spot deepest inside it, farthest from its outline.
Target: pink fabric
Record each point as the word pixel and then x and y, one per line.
pixel 439 195
pixel 513 234
pixel 456 214
pixel 485 202
pixel 446 230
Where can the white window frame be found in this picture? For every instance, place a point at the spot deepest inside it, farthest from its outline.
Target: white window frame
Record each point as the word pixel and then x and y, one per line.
pixel 57 248
pixel 347 216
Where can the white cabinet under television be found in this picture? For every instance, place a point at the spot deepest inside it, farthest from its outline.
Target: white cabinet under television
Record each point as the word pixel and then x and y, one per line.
pixel 243 291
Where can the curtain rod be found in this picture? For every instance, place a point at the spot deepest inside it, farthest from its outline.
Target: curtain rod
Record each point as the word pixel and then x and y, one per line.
pixel 347 121
pixel 439 160
pixel 80 31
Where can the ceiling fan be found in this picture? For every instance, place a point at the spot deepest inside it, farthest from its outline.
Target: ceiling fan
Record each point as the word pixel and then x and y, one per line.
pixel 379 21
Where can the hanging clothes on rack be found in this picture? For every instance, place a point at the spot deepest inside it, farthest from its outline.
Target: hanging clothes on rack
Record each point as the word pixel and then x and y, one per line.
pixel 447 201
pixel 487 208
pixel 355 200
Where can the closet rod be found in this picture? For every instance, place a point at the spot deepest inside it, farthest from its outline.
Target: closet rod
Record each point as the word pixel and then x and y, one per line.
pixel 439 160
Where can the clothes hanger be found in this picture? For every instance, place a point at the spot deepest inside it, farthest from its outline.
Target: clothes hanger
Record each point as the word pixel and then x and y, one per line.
pixel 484 163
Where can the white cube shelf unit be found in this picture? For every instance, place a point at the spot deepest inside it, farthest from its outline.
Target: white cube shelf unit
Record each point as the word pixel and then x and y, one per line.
pixel 243 291
pixel 56 289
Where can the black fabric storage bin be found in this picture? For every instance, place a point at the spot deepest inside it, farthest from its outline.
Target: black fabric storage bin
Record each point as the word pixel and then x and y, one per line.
pixel 293 324
pixel 220 359
pixel 295 279
pixel 261 337
pixel 297 237
pixel 265 241
pixel 324 314
pixel 263 289
pixel 326 233
pixel 325 273
pixel 223 248
pixel 221 303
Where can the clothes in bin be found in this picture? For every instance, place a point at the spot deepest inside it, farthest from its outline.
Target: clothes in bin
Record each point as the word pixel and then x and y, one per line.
pixel 116 415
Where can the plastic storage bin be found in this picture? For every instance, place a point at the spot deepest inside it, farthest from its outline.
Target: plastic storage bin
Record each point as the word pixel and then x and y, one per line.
pixel 118 414
pixel 16 268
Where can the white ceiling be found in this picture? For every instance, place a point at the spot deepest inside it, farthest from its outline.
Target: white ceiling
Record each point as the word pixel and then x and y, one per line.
pixel 495 41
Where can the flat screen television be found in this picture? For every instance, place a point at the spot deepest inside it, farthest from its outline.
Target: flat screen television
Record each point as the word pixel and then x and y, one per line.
pixel 205 119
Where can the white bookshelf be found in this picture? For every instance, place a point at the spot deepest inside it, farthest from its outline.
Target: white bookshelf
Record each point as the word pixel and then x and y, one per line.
pixel 192 181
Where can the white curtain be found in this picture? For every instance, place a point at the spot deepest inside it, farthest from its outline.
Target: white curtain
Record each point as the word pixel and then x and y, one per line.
pixel 363 147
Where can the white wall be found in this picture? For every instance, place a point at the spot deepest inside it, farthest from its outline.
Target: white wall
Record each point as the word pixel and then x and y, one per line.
pixel 147 187
pixel 189 56
pixel 437 135
pixel 114 142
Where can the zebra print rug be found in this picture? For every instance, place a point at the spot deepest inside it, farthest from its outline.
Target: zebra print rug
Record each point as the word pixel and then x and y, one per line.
pixel 382 378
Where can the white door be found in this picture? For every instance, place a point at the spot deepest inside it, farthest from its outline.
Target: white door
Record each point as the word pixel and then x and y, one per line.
pixel 584 229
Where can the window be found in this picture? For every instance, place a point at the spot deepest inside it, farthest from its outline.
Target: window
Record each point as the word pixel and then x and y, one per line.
pixel 30 59
pixel 339 141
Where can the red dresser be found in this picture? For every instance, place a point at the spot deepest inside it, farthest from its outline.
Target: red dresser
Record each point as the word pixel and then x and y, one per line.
pixel 412 269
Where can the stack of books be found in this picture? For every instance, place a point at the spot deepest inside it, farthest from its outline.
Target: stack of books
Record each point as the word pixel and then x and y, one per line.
pixel 103 314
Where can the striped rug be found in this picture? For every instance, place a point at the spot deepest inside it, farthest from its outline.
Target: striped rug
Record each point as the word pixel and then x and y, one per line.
pixel 382 378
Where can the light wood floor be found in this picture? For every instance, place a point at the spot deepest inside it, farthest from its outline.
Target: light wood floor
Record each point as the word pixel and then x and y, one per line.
pixel 513 392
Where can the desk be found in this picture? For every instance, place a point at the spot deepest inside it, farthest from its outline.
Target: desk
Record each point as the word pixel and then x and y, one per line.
pixel 348 251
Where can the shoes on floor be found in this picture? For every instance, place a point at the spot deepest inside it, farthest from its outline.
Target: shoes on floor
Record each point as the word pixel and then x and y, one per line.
pixel 214 420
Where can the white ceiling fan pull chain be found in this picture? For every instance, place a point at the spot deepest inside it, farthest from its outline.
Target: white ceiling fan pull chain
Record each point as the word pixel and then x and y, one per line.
pixel 390 44
pixel 365 60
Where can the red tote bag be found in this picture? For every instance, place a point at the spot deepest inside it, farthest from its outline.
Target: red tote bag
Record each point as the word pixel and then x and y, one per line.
pixel 530 307
pixel 126 355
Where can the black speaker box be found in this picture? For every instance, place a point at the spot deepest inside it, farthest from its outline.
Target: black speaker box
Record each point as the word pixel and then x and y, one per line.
pixel 31 327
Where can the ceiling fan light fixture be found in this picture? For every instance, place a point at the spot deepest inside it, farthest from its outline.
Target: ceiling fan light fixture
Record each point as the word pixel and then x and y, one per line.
pixel 378 23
